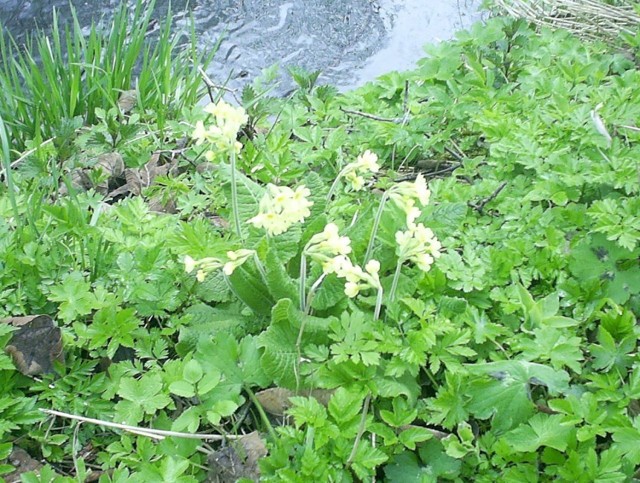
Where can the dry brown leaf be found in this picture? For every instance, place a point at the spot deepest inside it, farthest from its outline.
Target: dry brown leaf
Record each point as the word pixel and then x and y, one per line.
pixel 159 205
pixel 36 345
pixel 23 463
pixel 275 400
pixel 238 460
pixel 127 101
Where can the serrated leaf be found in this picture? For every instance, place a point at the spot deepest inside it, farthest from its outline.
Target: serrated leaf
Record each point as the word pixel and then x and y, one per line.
pixel 505 396
pixel 344 406
pixel 182 388
pixel 540 430
pixel 192 371
pixel 280 284
pixel 413 435
pixel 319 191
pixel 279 344
pixel 238 363
pixel 248 286
pixel 330 293
pixel 205 322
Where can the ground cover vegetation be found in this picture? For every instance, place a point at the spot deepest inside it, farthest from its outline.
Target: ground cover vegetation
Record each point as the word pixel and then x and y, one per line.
pixel 434 277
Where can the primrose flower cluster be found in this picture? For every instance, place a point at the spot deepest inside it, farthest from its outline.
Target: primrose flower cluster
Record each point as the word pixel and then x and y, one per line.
pixel 330 249
pixel 210 264
pixel 281 207
pixel 223 132
pixel 417 244
pixel 355 172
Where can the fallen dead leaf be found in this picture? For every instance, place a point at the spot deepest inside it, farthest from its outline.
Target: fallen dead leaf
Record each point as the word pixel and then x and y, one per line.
pixel 23 463
pixel 275 400
pixel 238 460
pixel 127 100
pixel 36 345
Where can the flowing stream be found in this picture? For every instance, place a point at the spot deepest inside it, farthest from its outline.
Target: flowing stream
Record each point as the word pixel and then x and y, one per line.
pixel 349 41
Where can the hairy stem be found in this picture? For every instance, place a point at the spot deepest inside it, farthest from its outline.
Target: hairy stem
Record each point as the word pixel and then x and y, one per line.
pixel 374 229
pixel 376 313
pixel 263 415
pixel 234 196
pixel 361 428
pixel 394 284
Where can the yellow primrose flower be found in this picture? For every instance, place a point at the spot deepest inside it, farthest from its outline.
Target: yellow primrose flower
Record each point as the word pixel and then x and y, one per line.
pixel 351 289
pixel 189 264
pixel 328 244
pixel 419 245
pixel 368 161
pixel 201 276
pixel 227 122
pixel 372 267
pixel 356 181
pixel 236 258
pixel 281 207
pixel 421 191
pixel 336 264
pixel 199 133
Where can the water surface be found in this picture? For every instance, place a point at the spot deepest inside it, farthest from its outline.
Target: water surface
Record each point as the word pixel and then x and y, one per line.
pixel 351 42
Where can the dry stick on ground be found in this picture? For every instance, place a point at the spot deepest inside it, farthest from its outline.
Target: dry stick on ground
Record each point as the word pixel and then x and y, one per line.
pixel 480 206
pixel 395 120
pixel 212 85
pixel 152 433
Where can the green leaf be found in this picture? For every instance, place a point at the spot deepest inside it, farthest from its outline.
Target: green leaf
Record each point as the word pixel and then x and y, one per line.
pixel 146 392
pixel 506 394
pixel 344 407
pixel 205 322
pixel 319 191
pixel 330 293
pixel 280 284
pixel 608 353
pixel 627 440
pixel 182 388
pixel 238 363
pixel 249 287
pixel 279 344
pixel 405 468
pixel 74 295
pixel 540 430
pixel 249 194
pixel 414 435
pixel 192 371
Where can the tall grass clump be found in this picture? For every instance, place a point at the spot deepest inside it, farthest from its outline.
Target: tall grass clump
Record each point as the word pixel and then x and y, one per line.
pixel 54 79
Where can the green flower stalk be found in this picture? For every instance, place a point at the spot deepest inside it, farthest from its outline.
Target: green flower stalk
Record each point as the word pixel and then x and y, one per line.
pixel 222 135
pixel 419 245
pixel 355 172
pixel 404 195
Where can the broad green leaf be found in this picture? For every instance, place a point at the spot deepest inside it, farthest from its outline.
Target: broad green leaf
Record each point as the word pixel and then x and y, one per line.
pixel 280 284
pixel 248 286
pixel 192 371
pixel 238 363
pixel 145 392
pixel 405 468
pixel 627 440
pixel 505 393
pixel 205 322
pixel 412 436
pixel 279 344
pixel 540 430
pixel 345 407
